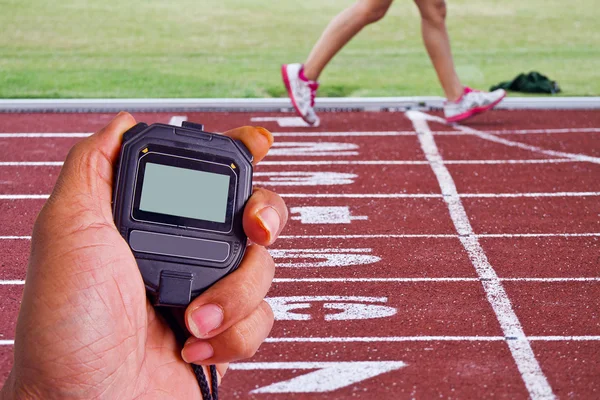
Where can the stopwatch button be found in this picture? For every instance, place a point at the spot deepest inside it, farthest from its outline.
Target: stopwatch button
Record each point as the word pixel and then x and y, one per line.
pixel 192 125
pixel 139 128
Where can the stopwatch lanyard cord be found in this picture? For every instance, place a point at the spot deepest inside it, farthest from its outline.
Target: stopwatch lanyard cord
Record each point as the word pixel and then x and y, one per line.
pixel 181 336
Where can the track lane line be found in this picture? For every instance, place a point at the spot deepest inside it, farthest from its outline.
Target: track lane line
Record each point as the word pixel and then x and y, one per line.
pixel 383 339
pixel 400 279
pixel 407 236
pixel 177 121
pixel 370 195
pixel 520 348
pixel 338 162
pixel 511 143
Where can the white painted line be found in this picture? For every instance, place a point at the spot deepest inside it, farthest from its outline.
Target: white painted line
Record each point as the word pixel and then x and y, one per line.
pixel 544 131
pixel 369 195
pixel 442 236
pixel 416 162
pixel 520 348
pixel 413 280
pixel 552 194
pixel 563 338
pixel 23 196
pixel 176 120
pixel 360 280
pixel 286 122
pixel 44 135
pixel 379 339
pixel 31 163
pixel 494 162
pixel 326 376
pixel 396 280
pixel 493 138
pixel 589 279
pixel 359 195
pixel 375 339
pixel 407 236
pixel 435 133
pixel 382 236
pixel 344 134
pixel 338 162
pixel 383 339
pixel 536 235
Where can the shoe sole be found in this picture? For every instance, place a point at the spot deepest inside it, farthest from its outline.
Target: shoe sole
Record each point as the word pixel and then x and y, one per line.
pixel 286 82
pixel 474 111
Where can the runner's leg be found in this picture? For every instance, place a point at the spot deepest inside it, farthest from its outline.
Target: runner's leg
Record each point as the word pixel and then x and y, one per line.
pixel 339 32
pixel 437 43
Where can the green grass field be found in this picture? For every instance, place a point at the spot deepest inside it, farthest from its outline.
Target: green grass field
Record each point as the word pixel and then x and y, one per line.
pixel 234 48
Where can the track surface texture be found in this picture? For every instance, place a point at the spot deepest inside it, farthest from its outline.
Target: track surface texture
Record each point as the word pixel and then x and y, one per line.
pixel 422 260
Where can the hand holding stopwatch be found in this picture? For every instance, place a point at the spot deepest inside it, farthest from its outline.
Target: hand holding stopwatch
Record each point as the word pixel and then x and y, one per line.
pixel 178 202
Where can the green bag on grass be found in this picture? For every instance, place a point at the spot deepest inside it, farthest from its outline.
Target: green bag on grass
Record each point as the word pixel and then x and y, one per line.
pixel 533 82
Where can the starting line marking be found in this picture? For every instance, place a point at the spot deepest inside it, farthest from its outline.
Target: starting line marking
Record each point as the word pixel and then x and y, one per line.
pixel 328 376
pixel 375 339
pixel 527 364
pixel 402 280
pixel 384 339
pixel 346 162
pixel 407 236
pixel 437 133
pixel 411 280
pixel 179 119
pixel 369 195
pixel 424 117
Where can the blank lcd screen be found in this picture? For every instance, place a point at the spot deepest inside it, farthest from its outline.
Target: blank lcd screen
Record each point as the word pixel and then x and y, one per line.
pixel 184 193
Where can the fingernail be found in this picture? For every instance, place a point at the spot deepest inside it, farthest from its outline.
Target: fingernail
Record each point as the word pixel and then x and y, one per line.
pixel 266 133
pixel 269 220
pixel 197 352
pixel 205 319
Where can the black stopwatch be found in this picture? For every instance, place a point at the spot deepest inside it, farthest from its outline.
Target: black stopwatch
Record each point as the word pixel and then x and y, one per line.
pixel 178 199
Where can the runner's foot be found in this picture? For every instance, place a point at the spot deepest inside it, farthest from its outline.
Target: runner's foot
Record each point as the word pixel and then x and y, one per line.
pixel 472 102
pixel 302 92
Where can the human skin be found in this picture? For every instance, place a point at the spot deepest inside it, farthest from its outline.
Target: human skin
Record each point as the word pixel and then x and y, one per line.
pixel 353 19
pixel 86 329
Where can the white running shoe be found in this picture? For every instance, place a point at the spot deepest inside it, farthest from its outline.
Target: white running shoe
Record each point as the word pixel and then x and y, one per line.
pixel 472 102
pixel 301 91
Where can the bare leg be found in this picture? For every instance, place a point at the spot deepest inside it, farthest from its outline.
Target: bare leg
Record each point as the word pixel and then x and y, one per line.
pixel 437 42
pixel 339 32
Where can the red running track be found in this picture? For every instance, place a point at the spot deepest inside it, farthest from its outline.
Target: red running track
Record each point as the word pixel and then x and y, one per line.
pixel 397 304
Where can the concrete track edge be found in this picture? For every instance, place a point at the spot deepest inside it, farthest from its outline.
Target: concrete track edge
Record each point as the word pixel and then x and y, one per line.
pixel 423 103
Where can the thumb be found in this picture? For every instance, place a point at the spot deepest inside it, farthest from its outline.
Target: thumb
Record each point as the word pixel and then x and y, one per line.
pixel 87 174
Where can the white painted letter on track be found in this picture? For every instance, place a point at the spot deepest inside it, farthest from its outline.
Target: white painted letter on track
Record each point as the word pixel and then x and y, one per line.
pixel 324 215
pixel 313 149
pixel 329 376
pixel 303 178
pixel 298 308
pixel 316 258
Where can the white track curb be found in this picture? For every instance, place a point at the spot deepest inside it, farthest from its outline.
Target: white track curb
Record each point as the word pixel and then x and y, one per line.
pixel 280 104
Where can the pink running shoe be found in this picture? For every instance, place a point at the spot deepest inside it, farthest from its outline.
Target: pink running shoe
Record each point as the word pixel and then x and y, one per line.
pixel 301 91
pixel 472 102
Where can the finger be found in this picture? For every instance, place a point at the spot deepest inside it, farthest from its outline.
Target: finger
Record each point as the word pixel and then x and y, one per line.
pixel 88 168
pixel 265 217
pixel 232 298
pixel 257 139
pixel 240 341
